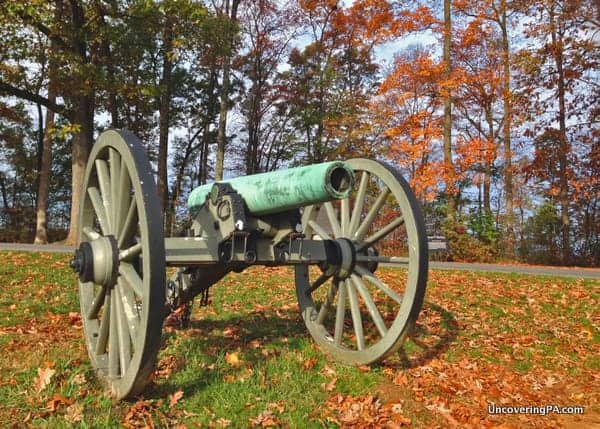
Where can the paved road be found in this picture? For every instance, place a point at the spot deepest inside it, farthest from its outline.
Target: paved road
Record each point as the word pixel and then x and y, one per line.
pixel 589 273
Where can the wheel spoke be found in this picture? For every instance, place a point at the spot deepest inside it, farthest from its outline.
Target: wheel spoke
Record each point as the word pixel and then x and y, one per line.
pixel 131 313
pixel 90 233
pixel 128 229
pixel 345 215
pixel 373 311
pixel 356 317
pixel 131 278
pixel 340 314
pixel 113 339
pixel 380 234
pixel 99 209
pixel 365 274
pixel 131 252
pixel 370 217
pixel 122 198
pixel 322 279
pixel 327 302
pixel 114 164
pixel 97 304
pixel 124 341
pixel 104 326
pixel 104 182
pixel 319 230
pixel 358 203
pixel 335 225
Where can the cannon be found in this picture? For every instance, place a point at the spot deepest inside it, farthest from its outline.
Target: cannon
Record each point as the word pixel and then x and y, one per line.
pixel 335 223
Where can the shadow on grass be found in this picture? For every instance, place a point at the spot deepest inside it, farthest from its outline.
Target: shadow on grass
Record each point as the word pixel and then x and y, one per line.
pixel 271 328
pixel 446 334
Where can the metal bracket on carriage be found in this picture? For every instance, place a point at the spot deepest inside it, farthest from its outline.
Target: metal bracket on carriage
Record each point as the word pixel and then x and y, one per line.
pixel 240 248
pixel 290 247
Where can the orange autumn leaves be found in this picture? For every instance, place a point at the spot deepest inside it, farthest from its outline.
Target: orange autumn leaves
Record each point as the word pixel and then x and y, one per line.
pixel 409 108
pixel 409 111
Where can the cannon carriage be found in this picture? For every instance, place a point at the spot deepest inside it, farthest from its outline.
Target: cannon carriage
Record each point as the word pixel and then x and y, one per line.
pixel 331 222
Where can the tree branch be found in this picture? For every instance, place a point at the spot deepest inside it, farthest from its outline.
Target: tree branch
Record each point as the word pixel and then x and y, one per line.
pixel 28 19
pixel 10 90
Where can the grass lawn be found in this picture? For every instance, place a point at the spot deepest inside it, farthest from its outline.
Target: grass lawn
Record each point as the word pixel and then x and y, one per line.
pixel 247 359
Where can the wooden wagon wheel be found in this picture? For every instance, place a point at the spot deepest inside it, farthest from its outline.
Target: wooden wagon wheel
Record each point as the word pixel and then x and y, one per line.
pixel 121 263
pixel 349 309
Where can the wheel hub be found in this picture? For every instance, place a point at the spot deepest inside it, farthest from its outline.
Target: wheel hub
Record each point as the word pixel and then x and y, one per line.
pixel 97 261
pixel 341 258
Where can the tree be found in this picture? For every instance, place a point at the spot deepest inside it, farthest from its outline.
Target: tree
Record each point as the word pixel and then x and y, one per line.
pixel 498 13
pixel 229 8
pixel 556 75
pixel 478 56
pixel 408 112
pixel 449 172
pixel 45 165
pixel 268 30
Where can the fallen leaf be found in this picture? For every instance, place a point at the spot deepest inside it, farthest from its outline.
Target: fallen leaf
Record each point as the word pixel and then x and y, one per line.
pixel 174 398
pixel 329 386
pixel 233 359
pixel 328 371
pixel 74 413
pixel 43 379
pixel 277 406
pixel 400 379
pixel 74 318
pixel 79 379
pixel 266 420
pixel 310 363
pixel 222 423
pixel 139 415
pixel 56 401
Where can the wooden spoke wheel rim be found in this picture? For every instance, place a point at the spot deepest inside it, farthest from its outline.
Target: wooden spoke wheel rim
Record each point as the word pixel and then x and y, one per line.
pixel 122 306
pixel 347 320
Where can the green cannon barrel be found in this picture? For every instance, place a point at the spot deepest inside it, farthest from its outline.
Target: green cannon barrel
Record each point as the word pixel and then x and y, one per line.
pixel 283 190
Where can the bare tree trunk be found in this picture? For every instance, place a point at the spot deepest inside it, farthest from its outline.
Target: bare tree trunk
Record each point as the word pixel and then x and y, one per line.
pixel 82 143
pixel 84 104
pixel 221 136
pixel 508 169
pixel 210 113
pixel 487 178
pixel 164 122
pixel 449 167
pixel 41 233
pixel 563 149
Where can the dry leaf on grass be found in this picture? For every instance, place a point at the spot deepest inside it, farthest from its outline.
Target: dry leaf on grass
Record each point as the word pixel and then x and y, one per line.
pixel 56 401
pixel 174 398
pixel 219 423
pixel 139 416
pixel 74 413
pixel 309 363
pixel 265 420
pixel 233 359
pixel 329 386
pixel 43 379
